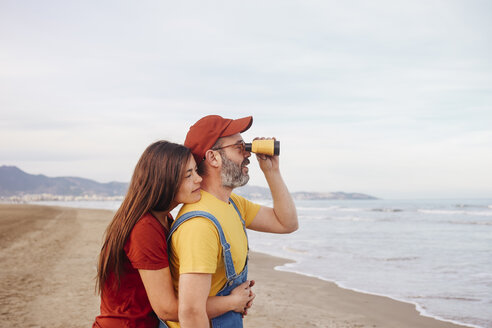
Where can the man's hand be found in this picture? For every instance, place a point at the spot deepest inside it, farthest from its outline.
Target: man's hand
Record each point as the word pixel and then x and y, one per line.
pixel 282 218
pixel 267 163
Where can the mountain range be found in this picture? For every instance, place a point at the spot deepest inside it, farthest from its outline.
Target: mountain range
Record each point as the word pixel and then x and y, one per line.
pixel 14 183
pixel 255 192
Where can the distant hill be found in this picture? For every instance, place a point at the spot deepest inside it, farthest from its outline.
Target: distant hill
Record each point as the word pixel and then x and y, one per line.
pixel 15 182
pixel 255 192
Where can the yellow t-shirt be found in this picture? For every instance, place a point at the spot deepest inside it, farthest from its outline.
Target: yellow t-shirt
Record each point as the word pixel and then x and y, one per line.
pixel 195 245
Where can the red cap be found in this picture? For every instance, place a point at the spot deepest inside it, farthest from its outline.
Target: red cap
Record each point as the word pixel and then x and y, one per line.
pixel 206 131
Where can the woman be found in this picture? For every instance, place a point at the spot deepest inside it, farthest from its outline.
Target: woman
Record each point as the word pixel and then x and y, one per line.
pixel 133 275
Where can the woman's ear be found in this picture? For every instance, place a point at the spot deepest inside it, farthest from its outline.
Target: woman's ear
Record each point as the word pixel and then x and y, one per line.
pixel 212 157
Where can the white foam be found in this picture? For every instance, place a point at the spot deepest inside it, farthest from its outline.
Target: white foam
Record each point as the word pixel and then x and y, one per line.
pixel 419 308
pixel 294 250
pixel 456 212
pixel 300 208
pixel 346 209
pixel 346 244
pixel 486 223
pixel 352 218
pixel 441 212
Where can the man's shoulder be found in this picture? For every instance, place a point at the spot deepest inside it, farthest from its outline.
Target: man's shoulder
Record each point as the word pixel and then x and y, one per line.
pixel 242 202
pixel 201 205
pixel 196 226
pixel 207 203
pixel 236 198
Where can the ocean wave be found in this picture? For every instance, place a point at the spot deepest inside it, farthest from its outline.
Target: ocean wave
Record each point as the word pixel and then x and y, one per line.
pixel 481 213
pixel 448 298
pixel 349 209
pixel 387 210
pixel 300 208
pixel 452 212
pixel 352 218
pixel 313 217
pixel 403 258
pixel 344 218
pixel 294 250
pixel 483 275
pixel 422 309
pixel 485 223
pixel 456 212
pixel 348 218
pixel 472 206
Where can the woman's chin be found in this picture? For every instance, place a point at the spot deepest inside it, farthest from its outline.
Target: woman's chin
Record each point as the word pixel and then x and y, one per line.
pixel 197 197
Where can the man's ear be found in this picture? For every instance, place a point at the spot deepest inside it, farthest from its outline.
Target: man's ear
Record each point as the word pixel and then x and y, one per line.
pixel 212 157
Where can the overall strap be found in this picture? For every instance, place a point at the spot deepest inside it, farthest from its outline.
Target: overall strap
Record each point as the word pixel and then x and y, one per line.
pixel 226 247
pixel 237 210
pixel 242 221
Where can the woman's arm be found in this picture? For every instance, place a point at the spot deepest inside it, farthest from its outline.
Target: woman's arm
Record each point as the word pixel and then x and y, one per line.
pixel 160 291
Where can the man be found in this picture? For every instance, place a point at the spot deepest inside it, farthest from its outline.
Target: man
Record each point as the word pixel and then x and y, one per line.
pixel 200 246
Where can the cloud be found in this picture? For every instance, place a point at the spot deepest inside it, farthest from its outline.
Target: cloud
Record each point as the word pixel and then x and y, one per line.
pixel 382 97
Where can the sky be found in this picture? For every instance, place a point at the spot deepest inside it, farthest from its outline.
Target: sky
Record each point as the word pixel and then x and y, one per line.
pixel 388 98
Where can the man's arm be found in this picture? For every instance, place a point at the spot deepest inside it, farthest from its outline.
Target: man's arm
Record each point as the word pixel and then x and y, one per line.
pixel 282 218
pixel 193 293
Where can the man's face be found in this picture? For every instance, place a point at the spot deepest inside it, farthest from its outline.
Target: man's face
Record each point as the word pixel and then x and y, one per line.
pixel 234 171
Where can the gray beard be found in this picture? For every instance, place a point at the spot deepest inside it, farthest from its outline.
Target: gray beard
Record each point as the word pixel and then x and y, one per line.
pixel 232 173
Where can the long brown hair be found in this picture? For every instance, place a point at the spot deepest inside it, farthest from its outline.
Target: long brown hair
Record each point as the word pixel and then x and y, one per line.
pixel 154 183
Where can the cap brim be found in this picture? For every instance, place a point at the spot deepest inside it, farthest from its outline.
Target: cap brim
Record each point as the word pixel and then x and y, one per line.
pixel 238 126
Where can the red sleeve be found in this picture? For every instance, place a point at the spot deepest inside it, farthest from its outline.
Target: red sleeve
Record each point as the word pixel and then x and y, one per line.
pixel 146 248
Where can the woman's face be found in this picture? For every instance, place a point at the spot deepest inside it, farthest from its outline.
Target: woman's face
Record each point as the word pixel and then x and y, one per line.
pixel 189 189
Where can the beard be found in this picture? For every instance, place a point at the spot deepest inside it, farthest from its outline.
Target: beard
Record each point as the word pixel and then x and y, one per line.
pixel 232 173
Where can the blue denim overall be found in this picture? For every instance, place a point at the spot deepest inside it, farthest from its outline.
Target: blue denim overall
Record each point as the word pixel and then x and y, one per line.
pixel 229 319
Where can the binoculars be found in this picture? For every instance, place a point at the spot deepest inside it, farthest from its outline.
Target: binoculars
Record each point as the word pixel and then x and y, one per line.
pixel 267 147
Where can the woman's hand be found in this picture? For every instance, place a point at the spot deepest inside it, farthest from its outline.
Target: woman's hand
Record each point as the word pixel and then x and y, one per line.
pixel 242 297
pixel 250 303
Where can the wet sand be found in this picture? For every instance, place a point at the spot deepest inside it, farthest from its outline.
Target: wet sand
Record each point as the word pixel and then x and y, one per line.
pixel 48 263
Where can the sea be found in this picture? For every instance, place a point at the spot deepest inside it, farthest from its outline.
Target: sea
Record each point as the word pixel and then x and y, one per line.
pixel 436 254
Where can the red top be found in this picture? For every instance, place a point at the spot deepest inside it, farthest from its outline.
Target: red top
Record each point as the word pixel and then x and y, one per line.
pixel 145 248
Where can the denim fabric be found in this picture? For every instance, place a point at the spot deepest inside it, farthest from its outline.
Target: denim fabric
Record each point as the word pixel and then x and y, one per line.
pixel 230 319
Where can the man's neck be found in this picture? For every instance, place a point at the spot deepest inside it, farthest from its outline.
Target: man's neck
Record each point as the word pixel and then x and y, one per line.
pixel 216 189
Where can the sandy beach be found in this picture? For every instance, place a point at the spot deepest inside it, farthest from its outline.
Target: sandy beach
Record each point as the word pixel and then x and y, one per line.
pixel 48 256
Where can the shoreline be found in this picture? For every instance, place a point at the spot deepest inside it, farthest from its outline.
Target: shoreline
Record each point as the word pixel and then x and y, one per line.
pixel 346 307
pixel 49 255
pixel 422 312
